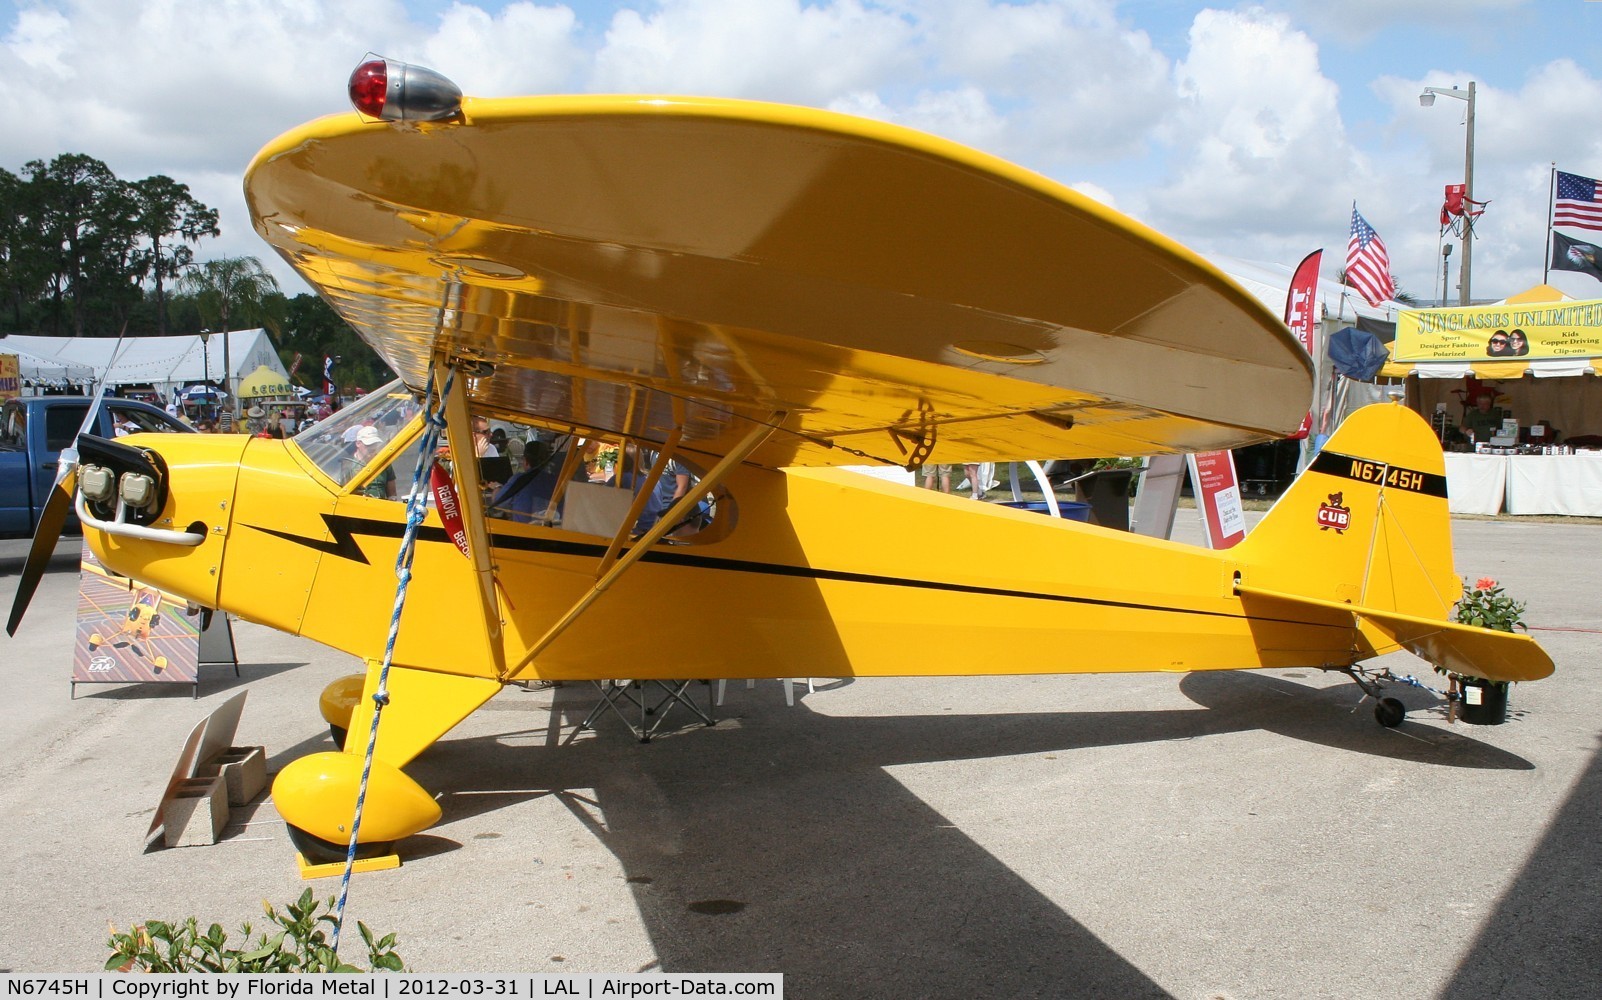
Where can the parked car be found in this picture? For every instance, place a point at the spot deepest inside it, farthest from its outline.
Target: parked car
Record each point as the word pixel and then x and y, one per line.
pixel 34 429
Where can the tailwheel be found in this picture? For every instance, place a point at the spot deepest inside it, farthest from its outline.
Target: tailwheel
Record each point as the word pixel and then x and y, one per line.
pixel 1390 712
pixel 318 851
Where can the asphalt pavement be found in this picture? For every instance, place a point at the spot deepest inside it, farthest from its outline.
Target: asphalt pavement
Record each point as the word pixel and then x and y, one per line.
pixel 1226 835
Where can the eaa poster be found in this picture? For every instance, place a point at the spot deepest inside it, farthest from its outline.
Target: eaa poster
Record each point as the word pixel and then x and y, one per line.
pixel 130 633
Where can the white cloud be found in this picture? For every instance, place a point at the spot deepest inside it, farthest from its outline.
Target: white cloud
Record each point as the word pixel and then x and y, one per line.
pixel 1258 143
pixel 1552 117
pixel 765 49
pixel 525 49
pixel 1239 143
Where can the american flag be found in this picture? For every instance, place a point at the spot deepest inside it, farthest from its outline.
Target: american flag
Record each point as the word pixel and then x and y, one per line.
pixel 1579 202
pixel 1368 265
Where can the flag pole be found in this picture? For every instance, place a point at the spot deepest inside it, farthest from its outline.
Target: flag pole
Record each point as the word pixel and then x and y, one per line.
pixel 1551 210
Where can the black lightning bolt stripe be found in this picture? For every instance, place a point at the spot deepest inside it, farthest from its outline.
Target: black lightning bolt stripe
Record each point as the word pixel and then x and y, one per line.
pixel 1365 470
pixel 344 530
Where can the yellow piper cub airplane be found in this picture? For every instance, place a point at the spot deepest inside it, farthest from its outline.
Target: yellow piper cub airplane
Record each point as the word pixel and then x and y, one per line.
pixel 745 295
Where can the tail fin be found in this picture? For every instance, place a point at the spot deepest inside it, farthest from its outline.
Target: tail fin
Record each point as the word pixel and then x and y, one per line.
pixel 1365 531
pixel 1366 523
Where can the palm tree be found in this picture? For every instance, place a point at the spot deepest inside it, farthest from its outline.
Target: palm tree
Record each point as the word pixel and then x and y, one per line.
pixel 223 288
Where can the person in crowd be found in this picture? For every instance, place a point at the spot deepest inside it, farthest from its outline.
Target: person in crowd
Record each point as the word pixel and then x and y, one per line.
pixel 931 473
pixel 368 443
pixel 483 444
pixel 976 480
pixel 1485 419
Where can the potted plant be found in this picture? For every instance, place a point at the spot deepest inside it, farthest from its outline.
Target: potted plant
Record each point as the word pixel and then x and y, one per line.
pixel 1484 605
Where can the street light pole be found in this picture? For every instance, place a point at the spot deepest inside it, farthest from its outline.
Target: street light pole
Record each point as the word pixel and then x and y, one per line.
pixel 205 358
pixel 1426 99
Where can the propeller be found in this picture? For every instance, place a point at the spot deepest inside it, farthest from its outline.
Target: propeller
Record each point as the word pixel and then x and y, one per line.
pixel 54 515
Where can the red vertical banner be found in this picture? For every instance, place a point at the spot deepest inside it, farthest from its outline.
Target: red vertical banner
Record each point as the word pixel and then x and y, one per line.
pixel 1212 477
pixel 1301 315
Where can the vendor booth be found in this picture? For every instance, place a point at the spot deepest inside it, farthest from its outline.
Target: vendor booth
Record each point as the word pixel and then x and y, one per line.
pixel 1533 444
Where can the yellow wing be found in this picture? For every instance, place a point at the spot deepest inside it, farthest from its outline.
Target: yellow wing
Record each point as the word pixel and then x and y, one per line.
pixel 632 263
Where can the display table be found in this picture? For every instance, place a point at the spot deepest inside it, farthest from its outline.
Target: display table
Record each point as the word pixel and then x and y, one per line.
pixel 1475 484
pixel 1555 484
pixel 1525 484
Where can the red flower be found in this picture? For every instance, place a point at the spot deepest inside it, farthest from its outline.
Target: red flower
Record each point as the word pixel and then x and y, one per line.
pixel 1484 583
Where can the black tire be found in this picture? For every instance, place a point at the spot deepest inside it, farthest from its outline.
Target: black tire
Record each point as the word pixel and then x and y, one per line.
pixel 318 851
pixel 1390 712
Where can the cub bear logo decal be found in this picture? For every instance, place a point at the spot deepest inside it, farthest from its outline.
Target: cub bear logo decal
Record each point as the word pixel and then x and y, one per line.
pixel 1334 515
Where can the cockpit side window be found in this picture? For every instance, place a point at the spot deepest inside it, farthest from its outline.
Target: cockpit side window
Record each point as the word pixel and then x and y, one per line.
pixel 344 444
pixel 587 485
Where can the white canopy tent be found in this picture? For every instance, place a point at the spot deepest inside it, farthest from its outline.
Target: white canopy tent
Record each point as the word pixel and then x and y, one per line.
pixel 43 371
pixel 165 363
pixel 1340 305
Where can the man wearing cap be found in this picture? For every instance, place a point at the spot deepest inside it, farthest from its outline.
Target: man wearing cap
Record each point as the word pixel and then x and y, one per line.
pixel 368 444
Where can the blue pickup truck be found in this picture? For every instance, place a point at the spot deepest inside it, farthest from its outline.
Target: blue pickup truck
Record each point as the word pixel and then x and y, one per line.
pixel 34 429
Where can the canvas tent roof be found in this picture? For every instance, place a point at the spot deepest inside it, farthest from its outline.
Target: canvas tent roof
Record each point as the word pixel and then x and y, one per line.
pixel 1269 283
pixel 35 368
pixel 159 361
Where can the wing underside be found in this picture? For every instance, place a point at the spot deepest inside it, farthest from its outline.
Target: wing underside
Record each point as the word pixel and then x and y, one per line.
pixel 632 265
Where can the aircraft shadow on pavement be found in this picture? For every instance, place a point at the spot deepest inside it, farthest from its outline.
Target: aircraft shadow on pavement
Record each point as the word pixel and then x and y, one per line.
pixel 1543 938
pixel 215 678
pixel 1339 717
pixel 784 844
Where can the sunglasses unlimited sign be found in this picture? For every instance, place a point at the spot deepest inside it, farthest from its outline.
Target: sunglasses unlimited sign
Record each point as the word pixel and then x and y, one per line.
pixel 1500 332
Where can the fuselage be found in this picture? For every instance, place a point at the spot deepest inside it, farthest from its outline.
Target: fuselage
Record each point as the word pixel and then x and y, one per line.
pixel 812 573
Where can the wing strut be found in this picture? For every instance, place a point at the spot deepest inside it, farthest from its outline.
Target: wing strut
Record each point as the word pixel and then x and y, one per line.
pixel 670 517
pixel 641 497
pixel 459 431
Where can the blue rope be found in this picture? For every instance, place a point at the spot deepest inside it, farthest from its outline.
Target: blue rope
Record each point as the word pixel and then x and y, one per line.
pixel 416 512
pixel 1412 681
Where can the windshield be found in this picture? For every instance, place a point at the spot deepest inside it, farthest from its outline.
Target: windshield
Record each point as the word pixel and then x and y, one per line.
pixel 342 444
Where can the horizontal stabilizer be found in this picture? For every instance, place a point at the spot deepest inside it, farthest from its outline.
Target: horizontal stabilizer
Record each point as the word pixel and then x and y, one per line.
pixel 1460 649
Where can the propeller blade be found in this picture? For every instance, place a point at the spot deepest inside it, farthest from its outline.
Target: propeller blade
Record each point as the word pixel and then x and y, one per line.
pixel 51 520
pixel 56 508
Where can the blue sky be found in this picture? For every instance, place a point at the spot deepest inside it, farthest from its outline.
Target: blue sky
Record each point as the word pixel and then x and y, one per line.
pixel 1243 129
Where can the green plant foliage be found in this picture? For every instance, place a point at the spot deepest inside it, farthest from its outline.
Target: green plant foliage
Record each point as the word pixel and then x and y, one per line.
pixel 297 941
pixel 1486 605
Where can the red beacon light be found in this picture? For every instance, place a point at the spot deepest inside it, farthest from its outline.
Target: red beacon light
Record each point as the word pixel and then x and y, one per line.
pixel 397 91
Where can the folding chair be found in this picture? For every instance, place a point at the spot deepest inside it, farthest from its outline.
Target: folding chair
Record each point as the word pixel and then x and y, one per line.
pixel 652 710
